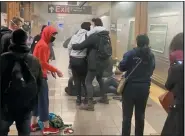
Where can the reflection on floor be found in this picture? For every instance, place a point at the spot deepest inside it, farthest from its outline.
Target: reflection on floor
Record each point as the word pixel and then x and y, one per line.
pixel 106 119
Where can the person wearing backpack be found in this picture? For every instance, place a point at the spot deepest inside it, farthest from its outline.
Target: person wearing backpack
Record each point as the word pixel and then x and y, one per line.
pixel 21 78
pixel 15 24
pixel 78 60
pixel 100 50
pixel 139 64
pixel 42 52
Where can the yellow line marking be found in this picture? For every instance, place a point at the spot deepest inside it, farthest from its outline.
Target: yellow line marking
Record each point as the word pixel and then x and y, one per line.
pixel 155 92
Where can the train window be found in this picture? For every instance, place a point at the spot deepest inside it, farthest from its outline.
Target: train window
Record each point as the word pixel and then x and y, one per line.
pixel 157 34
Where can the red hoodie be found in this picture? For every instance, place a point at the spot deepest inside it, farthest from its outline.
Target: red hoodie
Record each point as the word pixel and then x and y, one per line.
pixel 42 50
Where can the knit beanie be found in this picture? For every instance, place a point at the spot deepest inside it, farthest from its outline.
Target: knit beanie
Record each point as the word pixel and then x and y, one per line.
pixel 19 36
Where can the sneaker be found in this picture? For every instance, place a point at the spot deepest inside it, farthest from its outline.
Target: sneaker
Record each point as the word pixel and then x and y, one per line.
pixel 50 130
pixel 34 127
pixel 89 106
pixel 104 100
pixel 78 102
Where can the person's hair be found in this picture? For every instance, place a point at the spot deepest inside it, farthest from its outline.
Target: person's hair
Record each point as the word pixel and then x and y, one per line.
pixel 15 20
pixel 97 22
pixel 86 26
pixel 142 40
pixel 177 42
pixel 143 45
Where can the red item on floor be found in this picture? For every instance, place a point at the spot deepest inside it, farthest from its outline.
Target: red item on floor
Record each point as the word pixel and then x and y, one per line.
pixel 34 127
pixel 68 131
pixel 50 130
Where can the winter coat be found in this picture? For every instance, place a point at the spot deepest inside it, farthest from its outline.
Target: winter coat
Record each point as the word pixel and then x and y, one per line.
pixel 94 63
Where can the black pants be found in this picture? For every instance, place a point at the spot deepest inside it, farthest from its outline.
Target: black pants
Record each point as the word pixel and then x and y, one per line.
pixel 79 71
pixel 89 82
pixel 134 95
pixel 22 125
pixel 174 122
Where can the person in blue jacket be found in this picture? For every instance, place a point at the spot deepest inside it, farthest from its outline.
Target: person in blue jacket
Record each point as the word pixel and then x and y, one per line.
pixel 136 91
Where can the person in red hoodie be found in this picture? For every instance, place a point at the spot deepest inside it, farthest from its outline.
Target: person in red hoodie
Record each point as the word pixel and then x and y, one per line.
pixel 42 52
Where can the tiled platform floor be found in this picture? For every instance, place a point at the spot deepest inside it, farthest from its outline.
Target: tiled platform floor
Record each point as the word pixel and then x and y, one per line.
pixel 106 119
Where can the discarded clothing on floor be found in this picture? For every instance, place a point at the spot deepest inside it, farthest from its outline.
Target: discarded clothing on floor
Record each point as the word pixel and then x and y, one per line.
pixel 56 122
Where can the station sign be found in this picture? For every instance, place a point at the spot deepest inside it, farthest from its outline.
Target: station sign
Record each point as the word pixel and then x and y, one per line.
pixel 65 9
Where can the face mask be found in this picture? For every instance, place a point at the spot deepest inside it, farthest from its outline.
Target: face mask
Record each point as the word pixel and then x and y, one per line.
pixel 52 39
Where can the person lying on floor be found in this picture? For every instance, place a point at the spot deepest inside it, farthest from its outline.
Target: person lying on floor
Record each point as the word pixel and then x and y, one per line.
pixel 110 86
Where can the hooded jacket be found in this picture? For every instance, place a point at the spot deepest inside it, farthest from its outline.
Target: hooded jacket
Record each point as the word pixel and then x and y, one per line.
pixel 42 50
pixel 77 39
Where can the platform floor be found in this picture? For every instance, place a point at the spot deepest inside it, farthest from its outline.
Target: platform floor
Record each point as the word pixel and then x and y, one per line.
pixel 106 119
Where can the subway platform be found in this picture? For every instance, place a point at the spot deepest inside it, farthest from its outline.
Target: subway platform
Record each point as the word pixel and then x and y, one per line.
pixel 106 119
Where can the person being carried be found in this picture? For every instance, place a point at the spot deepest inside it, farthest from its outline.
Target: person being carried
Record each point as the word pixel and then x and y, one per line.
pixel 100 51
pixel 42 52
pixel 78 60
pixel 21 78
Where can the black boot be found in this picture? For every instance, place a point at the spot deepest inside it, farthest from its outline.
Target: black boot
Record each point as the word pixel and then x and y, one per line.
pixel 85 101
pixel 89 106
pixel 104 100
pixel 78 100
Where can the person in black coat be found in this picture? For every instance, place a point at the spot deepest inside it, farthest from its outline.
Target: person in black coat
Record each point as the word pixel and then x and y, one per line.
pixel 18 48
pixel 136 90
pixel 96 67
pixel 15 24
pixel 174 122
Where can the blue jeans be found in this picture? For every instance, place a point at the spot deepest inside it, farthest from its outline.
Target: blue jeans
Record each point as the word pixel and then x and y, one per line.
pixel 42 108
pixel 22 125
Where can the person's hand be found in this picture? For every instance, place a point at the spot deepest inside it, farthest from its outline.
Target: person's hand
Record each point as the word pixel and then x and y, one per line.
pixel 53 74
pixel 59 73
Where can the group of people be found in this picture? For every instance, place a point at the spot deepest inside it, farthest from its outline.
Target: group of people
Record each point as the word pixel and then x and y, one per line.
pixel 89 51
pixel 24 87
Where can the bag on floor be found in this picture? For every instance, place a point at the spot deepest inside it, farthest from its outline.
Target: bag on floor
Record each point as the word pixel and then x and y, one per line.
pixel 21 93
pixel 124 80
pixel 55 121
pixel 166 100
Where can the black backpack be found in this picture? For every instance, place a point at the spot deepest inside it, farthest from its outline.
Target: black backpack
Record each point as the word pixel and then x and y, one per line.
pixel 104 47
pixel 21 94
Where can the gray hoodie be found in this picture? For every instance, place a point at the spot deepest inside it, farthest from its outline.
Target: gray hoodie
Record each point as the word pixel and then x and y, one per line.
pixel 96 29
pixel 78 38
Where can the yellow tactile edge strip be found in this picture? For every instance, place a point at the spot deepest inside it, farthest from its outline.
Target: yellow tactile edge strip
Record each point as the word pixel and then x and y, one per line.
pixel 155 92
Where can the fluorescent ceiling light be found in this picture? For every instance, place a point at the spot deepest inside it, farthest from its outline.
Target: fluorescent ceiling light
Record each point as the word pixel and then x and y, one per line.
pixel 168 13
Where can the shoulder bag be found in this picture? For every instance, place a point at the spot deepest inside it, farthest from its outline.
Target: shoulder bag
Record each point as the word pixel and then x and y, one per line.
pixel 124 80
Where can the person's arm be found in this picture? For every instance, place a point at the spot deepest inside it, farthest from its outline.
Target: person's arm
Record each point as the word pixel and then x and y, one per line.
pixel 40 76
pixel 123 65
pixel 92 31
pixel 44 60
pixel 88 43
pixel 69 47
pixel 170 80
